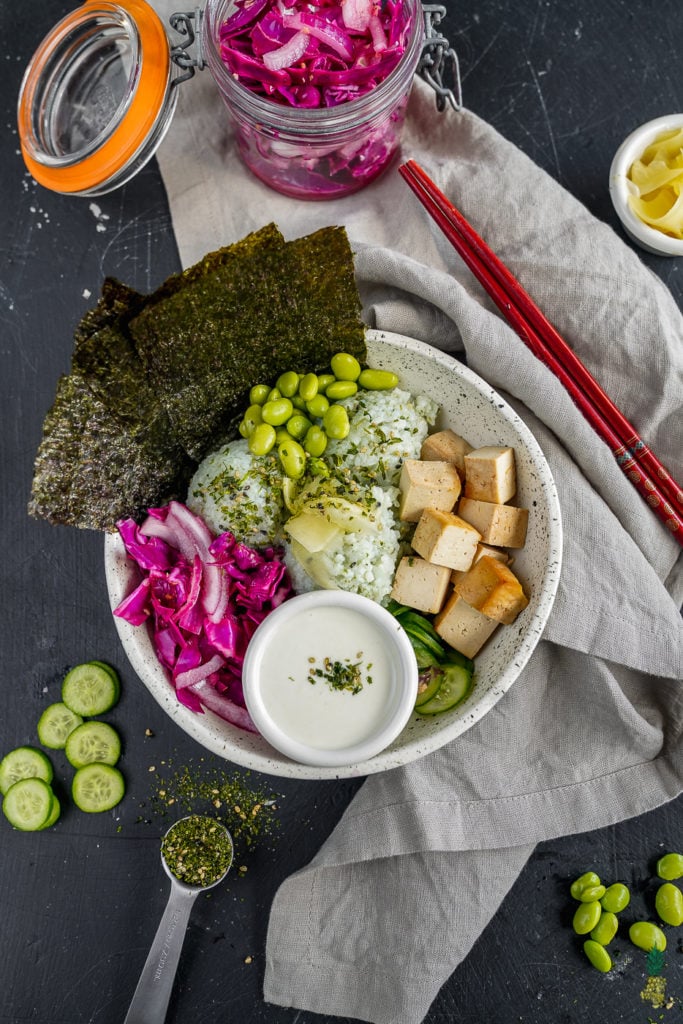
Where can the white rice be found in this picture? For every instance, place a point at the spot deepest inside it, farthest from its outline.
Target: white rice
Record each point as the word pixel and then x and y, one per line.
pixel 236 491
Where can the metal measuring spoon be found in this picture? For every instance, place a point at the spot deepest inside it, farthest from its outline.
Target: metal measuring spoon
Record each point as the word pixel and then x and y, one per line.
pixel 153 992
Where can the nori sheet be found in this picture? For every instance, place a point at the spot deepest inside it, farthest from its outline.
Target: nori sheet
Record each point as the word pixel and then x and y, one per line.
pixel 157 381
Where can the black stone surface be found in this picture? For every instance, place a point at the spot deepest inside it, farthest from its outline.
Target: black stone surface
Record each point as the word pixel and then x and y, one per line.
pixel 79 904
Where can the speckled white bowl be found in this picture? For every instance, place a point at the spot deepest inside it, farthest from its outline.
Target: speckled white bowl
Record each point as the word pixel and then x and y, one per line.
pixel 620 186
pixel 470 407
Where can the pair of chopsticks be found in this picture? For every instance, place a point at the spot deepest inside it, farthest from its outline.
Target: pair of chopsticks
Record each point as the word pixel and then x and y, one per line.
pixel 638 462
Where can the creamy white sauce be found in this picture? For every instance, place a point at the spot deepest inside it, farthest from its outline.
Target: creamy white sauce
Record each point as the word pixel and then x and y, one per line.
pixel 316 714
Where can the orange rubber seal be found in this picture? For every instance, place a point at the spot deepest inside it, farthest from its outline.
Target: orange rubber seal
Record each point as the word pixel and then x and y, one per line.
pixel 137 122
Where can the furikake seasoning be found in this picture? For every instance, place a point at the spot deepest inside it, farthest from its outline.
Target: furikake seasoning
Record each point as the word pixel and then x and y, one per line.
pixel 197 850
pixel 340 675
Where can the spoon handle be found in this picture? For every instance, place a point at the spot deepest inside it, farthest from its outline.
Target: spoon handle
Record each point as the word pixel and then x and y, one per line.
pixel 151 997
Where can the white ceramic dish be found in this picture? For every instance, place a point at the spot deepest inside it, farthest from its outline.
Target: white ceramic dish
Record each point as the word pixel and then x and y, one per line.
pixel 620 186
pixel 314 724
pixel 469 406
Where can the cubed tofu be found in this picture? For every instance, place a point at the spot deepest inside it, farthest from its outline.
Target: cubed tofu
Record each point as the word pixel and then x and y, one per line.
pixel 504 526
pixel 490 474
pixel 427 485
pixel 463 627
pixel 421 584
pixel 446 446
pixel 482 549
pixel 445 539
pixel 493 589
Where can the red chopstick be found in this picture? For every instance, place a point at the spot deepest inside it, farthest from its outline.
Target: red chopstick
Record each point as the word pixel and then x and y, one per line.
pixel 635 459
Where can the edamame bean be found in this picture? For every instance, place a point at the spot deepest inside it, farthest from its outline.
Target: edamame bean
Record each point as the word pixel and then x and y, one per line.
pixel 273 395
pixel 616 898
pixel 586 917
pixel 281 435
pixel 251 420
pixel 262 439
pixel 582 882
pixel 318 406
pixel 308 387
pixel 377 380
pixel 259 394
pixel 670 866
pixel 669 904
pixel 293 458
pixel 597 955
pixel 288 383
pixel 341 389
pixel 315 441
pixel 647 936
pixel 298 403
pixel 297 425
pixel 605 929
pixel 316 467
pixel 345 366
pixel 277 411
pixel 336 422
pixel 591 893
pixel 324 381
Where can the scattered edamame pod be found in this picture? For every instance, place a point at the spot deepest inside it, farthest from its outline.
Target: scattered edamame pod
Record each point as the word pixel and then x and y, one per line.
pixel 582 882
pixel 262 439
pixel 277 411
pixel 586 917
pixel 288 383
pixel 259 394
pixel 617 897
pixel 605 929
pixel 670 866
pixel 647 936
pixel 377 380
pixel 293 458
pixel 336 422
pixel 345 366
pixel 308 386
pixel 339 389
pixel 669 904
pixel 592 893
pixel 598 955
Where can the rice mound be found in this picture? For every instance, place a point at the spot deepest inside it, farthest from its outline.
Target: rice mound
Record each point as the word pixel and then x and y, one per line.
pixel 237 491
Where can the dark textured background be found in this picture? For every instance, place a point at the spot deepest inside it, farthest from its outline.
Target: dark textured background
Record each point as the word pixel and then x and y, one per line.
pixel 79 904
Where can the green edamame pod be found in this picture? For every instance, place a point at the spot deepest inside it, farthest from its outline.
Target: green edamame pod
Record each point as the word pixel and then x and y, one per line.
pixel 647 936
pixel 377 380
pixel 586 917
pixel 345 366
pixel 293 458
pixel 288 383
pixel 262 439
pixel 598 955
pixel 670 866
pixel 669 904
pixel 339 389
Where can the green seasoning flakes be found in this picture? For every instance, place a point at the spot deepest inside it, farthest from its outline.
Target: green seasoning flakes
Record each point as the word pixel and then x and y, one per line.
pixel 197 850
pixel 340 675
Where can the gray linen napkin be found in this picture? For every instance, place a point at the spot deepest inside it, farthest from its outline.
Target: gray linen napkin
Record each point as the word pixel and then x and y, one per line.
pixel 590 734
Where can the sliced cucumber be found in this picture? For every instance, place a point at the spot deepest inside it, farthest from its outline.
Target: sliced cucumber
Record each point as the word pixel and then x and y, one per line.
pixel 97 787
pixel 455 686
pixel 24 763
pixel 91 689
pixel 27 804
pixel 54 814
pixel 93 741
pixel 55 724
pixel 431 688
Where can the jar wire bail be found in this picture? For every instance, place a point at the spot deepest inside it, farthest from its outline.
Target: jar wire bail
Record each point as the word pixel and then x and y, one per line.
pixel 187 24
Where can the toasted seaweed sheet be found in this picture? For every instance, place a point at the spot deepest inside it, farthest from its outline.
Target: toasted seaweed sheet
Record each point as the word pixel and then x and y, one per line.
pixel 157 381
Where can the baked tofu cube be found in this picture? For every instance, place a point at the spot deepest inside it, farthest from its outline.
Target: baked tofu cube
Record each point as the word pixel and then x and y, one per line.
pixel 420 584
pixel 446 446
pixel 490 474
pixel 427 485
pixel 463 627
pixel 504 526
pixel 482 549
pixel 493 589
pixel 445 539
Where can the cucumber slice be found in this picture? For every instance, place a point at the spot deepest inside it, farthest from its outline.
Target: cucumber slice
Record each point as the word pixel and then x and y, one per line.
pixel 107 668
pixel 93 741
pixel 55 724
pixel 431 689
pixel 27 804
pixel 97 787
pixel 54 814
pixel 90 689
pixel 455 686
pixel 24 763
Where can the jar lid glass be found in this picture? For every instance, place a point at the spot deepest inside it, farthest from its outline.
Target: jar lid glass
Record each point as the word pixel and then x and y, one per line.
pixel 96 97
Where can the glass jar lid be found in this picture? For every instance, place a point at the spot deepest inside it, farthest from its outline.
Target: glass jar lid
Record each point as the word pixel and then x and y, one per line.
pixel 93 95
